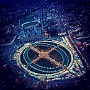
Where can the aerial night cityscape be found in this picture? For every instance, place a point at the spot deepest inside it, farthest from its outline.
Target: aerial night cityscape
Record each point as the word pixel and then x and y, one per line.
pixel 44 44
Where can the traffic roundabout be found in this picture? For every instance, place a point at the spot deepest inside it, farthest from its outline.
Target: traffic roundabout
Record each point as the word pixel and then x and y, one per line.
pixel 45 60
